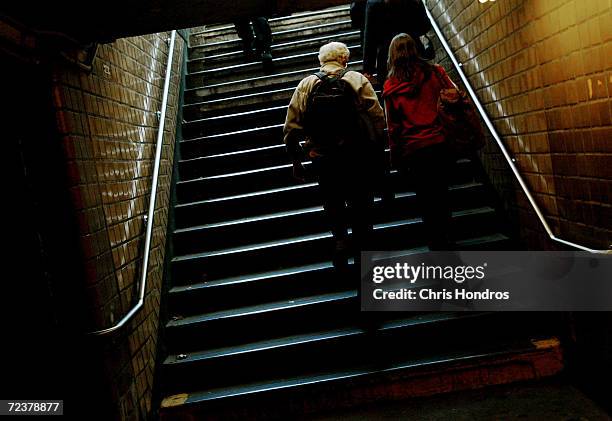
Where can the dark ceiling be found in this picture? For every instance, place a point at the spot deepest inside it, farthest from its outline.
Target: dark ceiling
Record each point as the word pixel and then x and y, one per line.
pixel 110 19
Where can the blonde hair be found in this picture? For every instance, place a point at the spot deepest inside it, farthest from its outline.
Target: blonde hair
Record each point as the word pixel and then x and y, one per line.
pixel 333 51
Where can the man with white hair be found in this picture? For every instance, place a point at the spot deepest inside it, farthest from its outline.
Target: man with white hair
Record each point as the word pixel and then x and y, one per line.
pixel 337 114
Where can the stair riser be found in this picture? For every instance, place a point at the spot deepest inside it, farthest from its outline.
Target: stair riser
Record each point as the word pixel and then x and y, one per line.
pixel 239 184
pixel 307 252
pixel 244 294
pixel 318 29
pixel 415 235
pixel 347 351
pixel 418 342
pixel 279 50
pixel 228 32
pixel 235 142
pixel 235 161
pixel 197 301
pixel 227 106
pixel 226 124
pixel 269 179
pixel 288 361
pixel 226 265
pixel 211 212
pixel 243 234
pixel 232 163
pixel 248 86
pixel 278 323
pixel 298 199
pixel 220 74
pixel 303 224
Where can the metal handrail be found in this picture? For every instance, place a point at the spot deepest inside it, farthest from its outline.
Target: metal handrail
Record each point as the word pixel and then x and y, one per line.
pixel 485 117
pixel 152 199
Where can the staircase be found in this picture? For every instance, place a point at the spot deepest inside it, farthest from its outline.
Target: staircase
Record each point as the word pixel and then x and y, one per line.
pixel 258 316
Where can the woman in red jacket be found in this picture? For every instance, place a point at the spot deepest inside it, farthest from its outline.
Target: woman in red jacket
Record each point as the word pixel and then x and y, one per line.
pixel 416 138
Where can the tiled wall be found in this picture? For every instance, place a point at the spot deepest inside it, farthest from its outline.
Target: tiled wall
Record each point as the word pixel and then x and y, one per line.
pixel 543 69
pixel 109 123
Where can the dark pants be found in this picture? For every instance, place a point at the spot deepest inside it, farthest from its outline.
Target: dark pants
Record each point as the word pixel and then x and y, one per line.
pixel 429 172
pixel 255 33
pixel 346 191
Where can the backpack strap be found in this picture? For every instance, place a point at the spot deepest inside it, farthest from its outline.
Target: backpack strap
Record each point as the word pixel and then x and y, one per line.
pixel 341 73
pixel 321 75
pixel 324 76
pixel 444 81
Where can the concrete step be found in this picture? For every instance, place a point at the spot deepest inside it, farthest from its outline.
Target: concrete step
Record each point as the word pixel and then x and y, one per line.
pixel 279 50
pixel 232 141
pixel 238 103
pixel 303 221
pixel 316 29
pixel 266 83
pixel 281 284
pixel 249 70
pixel 232 161
pixel 235 121
pixel 402 376
pixel 346 347
pixel 276 200
pixel 225 32
pixel 317 247
pixel 273 177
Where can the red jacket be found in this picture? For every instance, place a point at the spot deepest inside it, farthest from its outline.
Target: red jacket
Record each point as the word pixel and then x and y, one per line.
pixel 412 112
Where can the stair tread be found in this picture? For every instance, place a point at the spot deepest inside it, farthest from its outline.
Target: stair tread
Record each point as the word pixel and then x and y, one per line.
pixel 232 115
pixel 408 221
pixel 277 33
pixel 251 219
pixel 235 174
pixel 233 153
pixel 244 195
pixel 298 43
pixel 263 308
pixel 256 246
pixel 277 61
pixel 280 215
pixel 318 236
pixel 251 277
pixel 289 188
pixel 277 19
pixel 236 132
pixel 263 77
pixel 241 97
pixel 345 374
pixel 245 172
pixel 294 340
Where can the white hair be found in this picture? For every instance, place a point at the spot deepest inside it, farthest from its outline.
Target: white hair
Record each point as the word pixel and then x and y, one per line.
pixel 333 51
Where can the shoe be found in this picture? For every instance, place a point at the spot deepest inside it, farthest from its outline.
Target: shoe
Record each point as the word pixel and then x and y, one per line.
pixel 266 58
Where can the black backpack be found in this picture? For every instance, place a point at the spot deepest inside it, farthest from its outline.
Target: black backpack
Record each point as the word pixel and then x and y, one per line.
pixel 331 119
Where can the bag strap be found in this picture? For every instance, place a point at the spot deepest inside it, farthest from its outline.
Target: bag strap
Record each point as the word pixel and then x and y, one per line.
pixel 325 76
pixel 341 73
pixel 322 76
pixel 444 81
